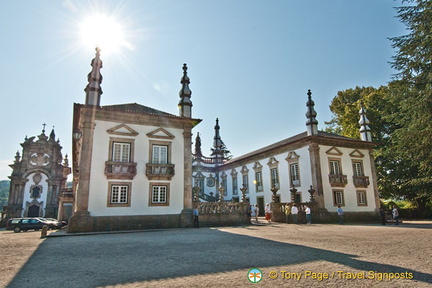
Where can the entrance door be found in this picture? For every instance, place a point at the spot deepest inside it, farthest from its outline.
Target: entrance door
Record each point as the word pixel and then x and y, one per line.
pixel 260 203
pixel 33 211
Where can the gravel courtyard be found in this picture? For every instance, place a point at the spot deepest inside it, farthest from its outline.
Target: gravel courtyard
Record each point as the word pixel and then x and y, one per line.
pixel 318 255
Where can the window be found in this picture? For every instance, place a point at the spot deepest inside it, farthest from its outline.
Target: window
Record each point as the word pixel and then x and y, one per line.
pixel 119 194
pixel 361 198
pixel 358 169
pixel 200 183
pixel 294 172
pixel 235 185
pixel 335 167
pixel 120 164
pixel 159 166
pixel 121 152
pixel 245 182
pixel 274 177
pixel 338 197
pixel 258 182
pixel 121 149
pixel 297 197
pixel 36 191
pixel 159 194
pixel 225 186
pixel 160 154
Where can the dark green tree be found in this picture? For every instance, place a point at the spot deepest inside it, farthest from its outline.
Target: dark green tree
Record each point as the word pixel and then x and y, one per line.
pixel 4 193
pixel 413 98
pixel 401 113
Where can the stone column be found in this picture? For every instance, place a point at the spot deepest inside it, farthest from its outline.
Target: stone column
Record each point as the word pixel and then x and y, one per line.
pixel 316 173
pixel 81 221
pixel 186 218
pixel 374 181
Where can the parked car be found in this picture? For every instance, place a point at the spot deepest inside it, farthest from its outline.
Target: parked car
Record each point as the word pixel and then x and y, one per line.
pixel 53 223
pixel 25 224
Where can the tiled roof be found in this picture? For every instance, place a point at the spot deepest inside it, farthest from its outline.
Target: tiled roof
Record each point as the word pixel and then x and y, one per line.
pixel 293 139
pixel 137 108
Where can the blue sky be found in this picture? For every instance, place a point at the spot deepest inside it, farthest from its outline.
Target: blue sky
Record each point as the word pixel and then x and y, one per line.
pixel 250 63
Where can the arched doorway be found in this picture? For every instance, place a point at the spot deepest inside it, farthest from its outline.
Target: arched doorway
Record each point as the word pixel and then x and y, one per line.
pixel 33 211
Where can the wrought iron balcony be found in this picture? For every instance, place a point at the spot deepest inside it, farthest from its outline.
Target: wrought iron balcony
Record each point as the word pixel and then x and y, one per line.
pixel 159 171
pixel 338 180
pixel 361 181
pixel 120 170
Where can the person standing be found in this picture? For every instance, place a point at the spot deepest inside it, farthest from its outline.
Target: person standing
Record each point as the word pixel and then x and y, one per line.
pixel 256 212
pixel 268 213
pixel 195 217
pixel 340 214
pixel 308 215
pixel 395 213
pixel 294 213
pixel 287 213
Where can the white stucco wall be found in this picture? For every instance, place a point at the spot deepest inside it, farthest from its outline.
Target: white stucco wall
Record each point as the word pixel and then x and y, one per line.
pixel 284 178
pixel 350 191
pixel 27 192
pixel 139 196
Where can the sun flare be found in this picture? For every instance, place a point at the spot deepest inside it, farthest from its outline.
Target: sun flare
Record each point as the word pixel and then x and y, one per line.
pixel 104 32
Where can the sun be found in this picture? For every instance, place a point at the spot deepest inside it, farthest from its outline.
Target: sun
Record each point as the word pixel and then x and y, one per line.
pixel 102 31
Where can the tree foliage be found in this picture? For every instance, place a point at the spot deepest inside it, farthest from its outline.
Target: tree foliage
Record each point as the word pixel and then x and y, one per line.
pixel 400 113
pixel 4 193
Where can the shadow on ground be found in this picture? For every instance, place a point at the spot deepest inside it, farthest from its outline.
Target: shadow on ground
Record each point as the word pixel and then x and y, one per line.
pixel 119 259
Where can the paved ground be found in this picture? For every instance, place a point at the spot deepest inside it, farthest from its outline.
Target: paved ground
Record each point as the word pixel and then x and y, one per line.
pixel 222 257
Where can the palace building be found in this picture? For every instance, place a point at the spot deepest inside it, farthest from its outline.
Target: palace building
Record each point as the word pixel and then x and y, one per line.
pixel 313 167
pixel 132 164
pixel 134 168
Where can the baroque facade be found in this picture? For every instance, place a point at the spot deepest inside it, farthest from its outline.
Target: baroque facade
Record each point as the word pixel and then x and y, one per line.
pixel 132 164
pixel 38 178
pixel 316 167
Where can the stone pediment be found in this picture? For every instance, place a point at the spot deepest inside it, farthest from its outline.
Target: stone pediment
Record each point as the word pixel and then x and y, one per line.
pixel 334 151
pixel 292 157
pixel 160 133
pixel 123 130
pixel 356 154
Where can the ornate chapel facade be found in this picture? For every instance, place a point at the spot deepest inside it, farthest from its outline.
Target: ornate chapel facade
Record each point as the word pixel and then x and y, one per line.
pixel 38 178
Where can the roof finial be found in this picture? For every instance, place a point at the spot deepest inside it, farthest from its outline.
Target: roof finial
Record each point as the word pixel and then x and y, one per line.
pixel 93 89
pixel 185 104
pixel 365 131
pixel 311 122
pixel 198 152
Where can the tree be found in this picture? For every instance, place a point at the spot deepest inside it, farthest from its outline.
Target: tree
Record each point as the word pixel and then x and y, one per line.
pixel 345 108
pixel 4 193
pixel 413 97
pixel 401 113
pixel 224 151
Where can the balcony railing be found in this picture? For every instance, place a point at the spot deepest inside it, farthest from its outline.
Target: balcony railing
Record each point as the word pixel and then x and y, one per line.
pixel 120 170
pixel 159 171
pixel 338 180
pixel 361 181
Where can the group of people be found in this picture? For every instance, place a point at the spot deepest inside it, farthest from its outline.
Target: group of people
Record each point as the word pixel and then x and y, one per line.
pixel 394 214
pixel 289 212
pixel 293 213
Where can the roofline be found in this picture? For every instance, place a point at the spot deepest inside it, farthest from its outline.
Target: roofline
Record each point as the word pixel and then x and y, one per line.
pixel 298 141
